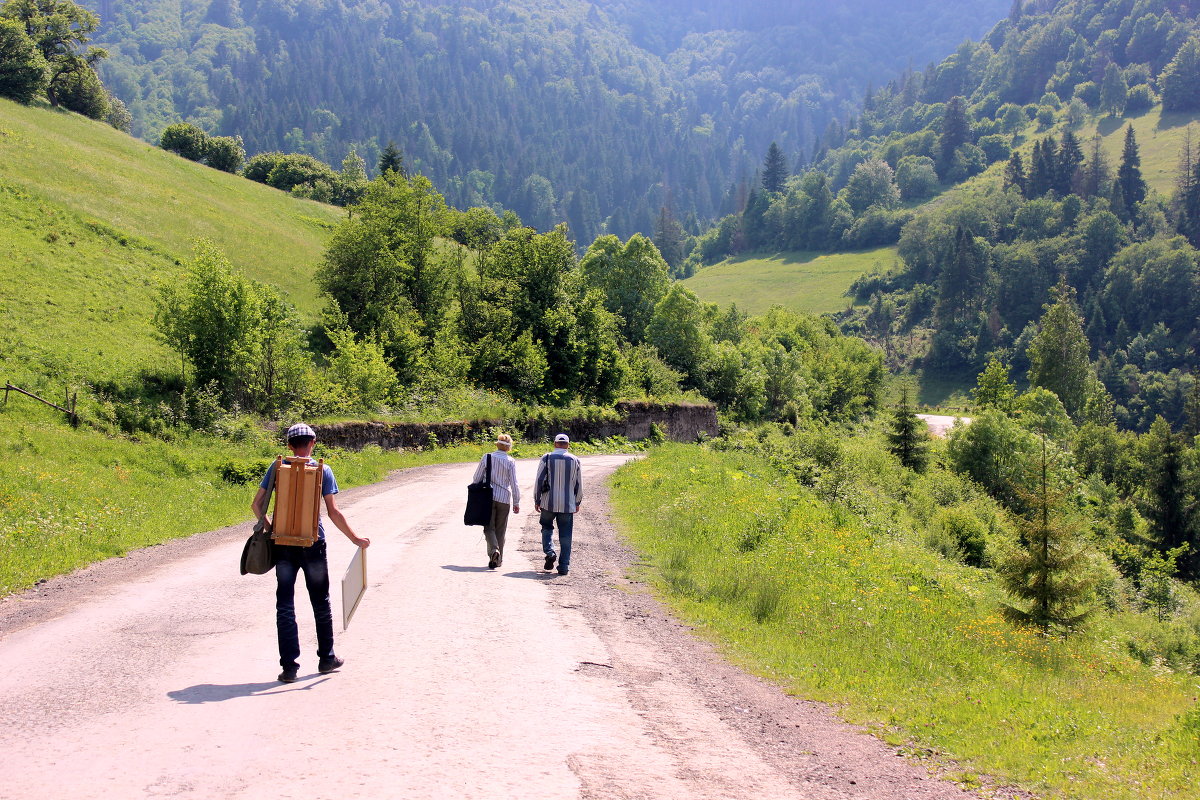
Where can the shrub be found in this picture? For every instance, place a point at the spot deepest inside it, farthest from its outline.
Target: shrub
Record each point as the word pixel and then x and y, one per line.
pixel 1089 93
pixel 225 153
pixel 241 473
pixel 82 92
pixel 184 139
pixel 259 167
pixel 967 532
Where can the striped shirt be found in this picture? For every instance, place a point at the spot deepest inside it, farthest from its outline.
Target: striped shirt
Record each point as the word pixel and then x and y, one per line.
pixel 504 477
pixel 566 482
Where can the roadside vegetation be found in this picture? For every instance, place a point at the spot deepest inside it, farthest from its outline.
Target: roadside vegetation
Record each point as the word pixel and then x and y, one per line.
pixel 815 559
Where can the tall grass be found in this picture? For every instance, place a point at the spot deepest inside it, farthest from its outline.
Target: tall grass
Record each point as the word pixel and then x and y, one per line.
pixel 829 591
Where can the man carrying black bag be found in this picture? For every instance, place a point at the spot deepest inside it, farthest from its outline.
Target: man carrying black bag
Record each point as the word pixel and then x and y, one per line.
pixel 498 471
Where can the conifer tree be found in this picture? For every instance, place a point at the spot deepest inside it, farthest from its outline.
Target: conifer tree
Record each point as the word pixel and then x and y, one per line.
pixel 956 131
pixel 961 281
pixel 1068 161
pixel 391 159
pixel 1041 168
pixel 1129 174
pixel 908 439
pixel 775 170
pixel 1059 353
pixel 1096 171
pixel 1187 192
pixel 1168 505
pixel 1014 172
pixel 1048 572
pixel 670 238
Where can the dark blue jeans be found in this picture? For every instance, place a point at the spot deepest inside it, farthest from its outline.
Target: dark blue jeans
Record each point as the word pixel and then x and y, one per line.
pixel 566 522
pixel 311 561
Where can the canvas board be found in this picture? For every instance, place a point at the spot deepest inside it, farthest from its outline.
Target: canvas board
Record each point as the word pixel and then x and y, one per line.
pixel 354 585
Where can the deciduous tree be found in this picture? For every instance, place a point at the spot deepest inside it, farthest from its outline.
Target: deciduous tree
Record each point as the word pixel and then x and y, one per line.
pixel 23 68
pixel 632 277
pixel 61 30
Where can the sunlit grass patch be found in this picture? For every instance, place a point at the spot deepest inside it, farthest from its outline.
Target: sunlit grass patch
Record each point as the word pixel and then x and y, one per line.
pixel 813 283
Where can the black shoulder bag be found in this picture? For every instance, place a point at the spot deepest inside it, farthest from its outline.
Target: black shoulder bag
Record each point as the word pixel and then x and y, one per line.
pixel 479 498
pixel 258 556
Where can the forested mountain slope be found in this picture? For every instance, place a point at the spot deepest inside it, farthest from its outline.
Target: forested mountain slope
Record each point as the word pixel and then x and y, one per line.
pixel 1055 152
pixel 596 113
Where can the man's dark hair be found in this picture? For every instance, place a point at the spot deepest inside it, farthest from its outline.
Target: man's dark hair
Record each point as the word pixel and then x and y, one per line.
pixel 300 441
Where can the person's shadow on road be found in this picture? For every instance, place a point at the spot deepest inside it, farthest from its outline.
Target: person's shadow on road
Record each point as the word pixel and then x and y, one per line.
pixel 215 692
pixel 526 574
pixel 531 575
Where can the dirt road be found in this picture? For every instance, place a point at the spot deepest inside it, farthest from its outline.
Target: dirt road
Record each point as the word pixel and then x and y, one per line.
pixel 153 676
pixel 940 424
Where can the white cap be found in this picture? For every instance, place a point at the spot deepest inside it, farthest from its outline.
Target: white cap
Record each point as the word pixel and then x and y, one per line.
pixel 563 438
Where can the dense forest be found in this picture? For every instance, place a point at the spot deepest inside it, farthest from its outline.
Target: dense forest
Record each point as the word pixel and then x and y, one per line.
pixel 1040 204
pixel 597 114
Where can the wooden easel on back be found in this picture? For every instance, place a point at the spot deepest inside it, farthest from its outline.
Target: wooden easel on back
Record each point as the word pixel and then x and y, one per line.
pixel 297 501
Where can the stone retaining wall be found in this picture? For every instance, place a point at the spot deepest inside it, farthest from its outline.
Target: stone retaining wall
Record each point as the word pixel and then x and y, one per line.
pixel 681 422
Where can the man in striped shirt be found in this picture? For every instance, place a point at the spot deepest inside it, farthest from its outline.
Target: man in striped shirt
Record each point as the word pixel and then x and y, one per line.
pixel 558 488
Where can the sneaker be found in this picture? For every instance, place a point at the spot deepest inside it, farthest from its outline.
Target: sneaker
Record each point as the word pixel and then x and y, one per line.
pixel 328 665
pixel 289 675
pixel 563 572
pixel 550 559
pixel 493 562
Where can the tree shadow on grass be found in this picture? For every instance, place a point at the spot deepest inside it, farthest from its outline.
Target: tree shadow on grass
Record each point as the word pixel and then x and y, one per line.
pixel 1176 119
pixel 1108 125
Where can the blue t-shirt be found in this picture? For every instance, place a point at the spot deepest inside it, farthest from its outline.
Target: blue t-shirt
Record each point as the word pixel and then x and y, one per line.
pixel 328 486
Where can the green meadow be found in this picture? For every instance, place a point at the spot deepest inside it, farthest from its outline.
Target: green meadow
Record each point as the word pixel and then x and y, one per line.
pixel 1160 139
pixel 814 283
pixel 93 221
pixel 831 592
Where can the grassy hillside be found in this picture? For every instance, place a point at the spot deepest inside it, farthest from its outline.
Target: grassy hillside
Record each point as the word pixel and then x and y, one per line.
pixel 802 281
pixel 838 593
pixel 92 220
pixel 1160 139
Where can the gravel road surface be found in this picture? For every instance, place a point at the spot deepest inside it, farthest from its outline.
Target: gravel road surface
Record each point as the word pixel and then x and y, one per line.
pixel 152 676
